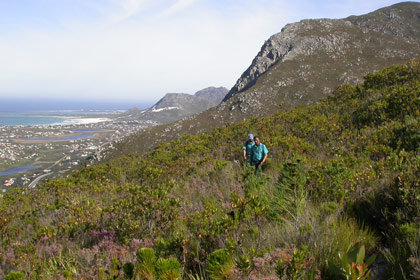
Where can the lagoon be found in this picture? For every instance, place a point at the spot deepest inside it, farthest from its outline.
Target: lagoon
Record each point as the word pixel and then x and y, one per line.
pixel 18 170
pixel 64 138
pixel 88 130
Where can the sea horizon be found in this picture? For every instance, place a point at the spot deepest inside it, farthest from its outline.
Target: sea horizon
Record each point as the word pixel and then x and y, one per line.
pixel 10 105
pixel 32 112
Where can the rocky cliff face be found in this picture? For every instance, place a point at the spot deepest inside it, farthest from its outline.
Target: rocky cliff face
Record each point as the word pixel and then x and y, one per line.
pixel 274 49
pixel 303 63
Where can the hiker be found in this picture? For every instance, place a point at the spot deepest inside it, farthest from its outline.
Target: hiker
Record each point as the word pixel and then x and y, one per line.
pixel 248 149
pixel 259 155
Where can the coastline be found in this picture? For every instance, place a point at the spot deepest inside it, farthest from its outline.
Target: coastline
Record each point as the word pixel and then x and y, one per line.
pixel 49 120
pixel 57 141
pixel 80 120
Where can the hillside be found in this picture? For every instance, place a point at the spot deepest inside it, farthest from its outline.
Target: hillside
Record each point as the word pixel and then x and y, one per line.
pixel 175 106
pixel 302 64
pixel 341 172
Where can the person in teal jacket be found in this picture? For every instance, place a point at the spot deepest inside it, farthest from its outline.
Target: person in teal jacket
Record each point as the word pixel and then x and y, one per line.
pixel 259 155
pixel 247 148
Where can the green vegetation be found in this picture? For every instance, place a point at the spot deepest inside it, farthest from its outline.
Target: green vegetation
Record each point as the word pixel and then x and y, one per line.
pixel 353 265
pixel 342 172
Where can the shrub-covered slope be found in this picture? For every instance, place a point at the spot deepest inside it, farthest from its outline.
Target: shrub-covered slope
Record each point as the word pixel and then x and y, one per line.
pixel 342 173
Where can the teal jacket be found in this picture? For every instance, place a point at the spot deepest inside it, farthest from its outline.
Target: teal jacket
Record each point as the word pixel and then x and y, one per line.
pixel 258 152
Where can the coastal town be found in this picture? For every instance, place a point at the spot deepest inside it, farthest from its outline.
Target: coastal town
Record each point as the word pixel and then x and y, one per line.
pixel 31 153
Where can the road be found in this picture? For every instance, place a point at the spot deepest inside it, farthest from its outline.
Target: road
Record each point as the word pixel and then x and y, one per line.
pixel 37 179
pixel 34 182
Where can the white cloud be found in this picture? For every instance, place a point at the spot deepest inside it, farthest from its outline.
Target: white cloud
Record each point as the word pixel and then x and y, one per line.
pixel 177 7
pixel 128 8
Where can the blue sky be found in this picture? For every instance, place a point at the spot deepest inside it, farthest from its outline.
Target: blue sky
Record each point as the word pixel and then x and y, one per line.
pixel 142 49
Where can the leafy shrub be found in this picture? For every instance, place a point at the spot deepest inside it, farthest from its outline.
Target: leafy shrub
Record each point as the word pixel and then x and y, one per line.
pixel 297 267
pixel 289 194
pixel 404 255
pixel 145 265
pixel 353 263
pixel 168 269
pixel 15 276
pixel 149 267
pixel 220 265
pixel 394 204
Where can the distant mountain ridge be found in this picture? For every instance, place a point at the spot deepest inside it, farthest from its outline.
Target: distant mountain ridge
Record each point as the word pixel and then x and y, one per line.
pixel 213 94
pixel 200 101
pixel 174 106
pixel 302 64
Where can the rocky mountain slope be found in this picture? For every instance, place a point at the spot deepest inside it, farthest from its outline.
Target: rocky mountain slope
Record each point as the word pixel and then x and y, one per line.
pixel 340 180
pixel 174 106
pixel 309 59
pixel 302 64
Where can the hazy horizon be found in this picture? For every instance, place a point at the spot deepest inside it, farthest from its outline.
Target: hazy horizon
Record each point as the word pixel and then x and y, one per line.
pixel 142 49
pixel 15 105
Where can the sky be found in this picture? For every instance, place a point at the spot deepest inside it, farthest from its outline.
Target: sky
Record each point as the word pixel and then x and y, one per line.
pixel 142 49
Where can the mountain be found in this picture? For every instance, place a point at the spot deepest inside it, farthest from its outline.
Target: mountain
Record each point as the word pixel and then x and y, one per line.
pixel 300 65
pixel 212 94
pixel 307 60
pixel 174 106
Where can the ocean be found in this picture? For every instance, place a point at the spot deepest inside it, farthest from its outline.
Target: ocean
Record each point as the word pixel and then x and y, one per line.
pixel 30 112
